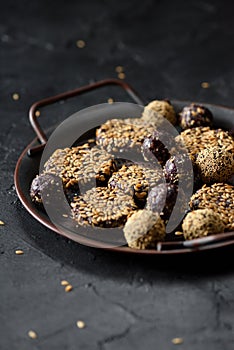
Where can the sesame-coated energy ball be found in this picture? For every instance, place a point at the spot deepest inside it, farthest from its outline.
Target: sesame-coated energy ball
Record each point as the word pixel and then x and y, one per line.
pixel 144 229
pixel 201 223
pixel 215 164
pixel 219 197
pixel 155 110
pixel 195 115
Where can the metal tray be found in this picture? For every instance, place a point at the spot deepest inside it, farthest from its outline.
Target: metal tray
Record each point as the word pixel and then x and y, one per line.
pixel 28 166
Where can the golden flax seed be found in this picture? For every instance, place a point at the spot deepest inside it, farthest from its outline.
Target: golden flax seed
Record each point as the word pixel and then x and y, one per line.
pixel 32 334
pixel 177 341
pixel 15 97
pixel 68 288
pixel 19 252
pixel 80 324
pixel 205 85
pixel 80 44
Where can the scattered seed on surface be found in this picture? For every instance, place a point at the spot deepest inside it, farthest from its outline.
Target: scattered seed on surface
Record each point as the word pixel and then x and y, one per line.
pixel 2 223
pixel 80 324
pixel 121 75
pixel 32 334
pixel 177 341
pixel 37 113
pixel 68 288
pixel 110 100
pixel 64 283
pixel 80 44
pixel 178 233
pixel 16 97
pixel 205 85
pixel 119 69
pixel 19 252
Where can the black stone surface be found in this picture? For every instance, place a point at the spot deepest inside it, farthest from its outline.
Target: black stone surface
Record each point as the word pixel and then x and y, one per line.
pixel 167 49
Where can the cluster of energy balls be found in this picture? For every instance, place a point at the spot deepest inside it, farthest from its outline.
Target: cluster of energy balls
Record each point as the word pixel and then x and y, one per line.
pixel 107 190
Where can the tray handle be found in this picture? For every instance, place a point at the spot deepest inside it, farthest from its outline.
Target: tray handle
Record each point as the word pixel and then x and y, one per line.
pixel 68 94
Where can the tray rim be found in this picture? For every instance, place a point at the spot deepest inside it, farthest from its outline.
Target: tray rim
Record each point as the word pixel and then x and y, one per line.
pixel 30 207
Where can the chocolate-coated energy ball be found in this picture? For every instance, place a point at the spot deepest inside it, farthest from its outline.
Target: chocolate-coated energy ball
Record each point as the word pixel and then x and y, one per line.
pixel 195 115
pixel 163 198
pixel 153 149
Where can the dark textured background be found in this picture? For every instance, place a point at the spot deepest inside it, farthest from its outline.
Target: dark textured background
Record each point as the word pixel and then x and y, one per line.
pixel 167 48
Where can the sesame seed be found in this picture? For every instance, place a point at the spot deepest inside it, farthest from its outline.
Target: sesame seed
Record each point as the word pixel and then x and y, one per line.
pixel 19 252
pixel 119 69
pixel 64 283
pixel 205 85
pixel 37 113
pixel 15 97
pixel 68 288
pixel 177 341
pixel 110 100
pixel 80 324
pixel 121 75
pixel 178 233
pixel 80 44
pixel 2 223
pixel 32 334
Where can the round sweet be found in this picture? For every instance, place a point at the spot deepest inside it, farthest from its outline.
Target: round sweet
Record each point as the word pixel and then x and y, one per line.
pixel 215 164
pixel 195 115
pixel 201 223
pixel 50 185
pixel 154 150
pixel 102 207
pixel 82 164
pixel 40 183
pixel 155 110
pixel 220 198
pixel 119 135
pixel 144 229
pixel 197 139
pixel 178 169
pixel 163 198
pixel 135 180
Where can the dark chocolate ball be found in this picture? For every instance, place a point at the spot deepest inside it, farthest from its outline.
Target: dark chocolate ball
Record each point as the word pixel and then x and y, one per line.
pixel 195 115
pixel 178 168
pixel 50 183
pixel 153 149
pixel 162 199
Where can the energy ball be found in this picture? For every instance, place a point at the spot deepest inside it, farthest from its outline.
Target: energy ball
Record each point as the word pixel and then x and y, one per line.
pixel 220 198
pixel 158 109
pixel 153 149
pixel 163 198
pixel 50 185
pixel 215 164
pixel 197 139
pixel 144 229
pixel 39 183
pixel 195 115
pixel 178 168
pixel 201 223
